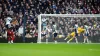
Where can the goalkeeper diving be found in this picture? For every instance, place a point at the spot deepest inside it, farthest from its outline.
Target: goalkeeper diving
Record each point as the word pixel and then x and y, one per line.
pixel 73 34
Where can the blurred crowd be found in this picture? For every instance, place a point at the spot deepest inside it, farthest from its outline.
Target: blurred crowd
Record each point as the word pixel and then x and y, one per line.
pixel 65 25
pixel 17 9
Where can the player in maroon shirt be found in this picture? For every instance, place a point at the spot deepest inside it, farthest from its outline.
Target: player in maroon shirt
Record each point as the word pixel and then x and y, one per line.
pixel 10 35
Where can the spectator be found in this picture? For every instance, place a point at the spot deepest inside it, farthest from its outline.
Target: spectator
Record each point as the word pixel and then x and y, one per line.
pixel 20 31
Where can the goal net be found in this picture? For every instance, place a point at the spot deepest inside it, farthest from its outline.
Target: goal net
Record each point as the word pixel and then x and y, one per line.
pixel 58 27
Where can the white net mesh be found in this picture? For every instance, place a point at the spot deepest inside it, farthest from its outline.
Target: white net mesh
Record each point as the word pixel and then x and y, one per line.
pixel 64 25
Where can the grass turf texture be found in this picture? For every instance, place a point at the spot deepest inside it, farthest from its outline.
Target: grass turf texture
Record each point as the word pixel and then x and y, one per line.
pixel 61 49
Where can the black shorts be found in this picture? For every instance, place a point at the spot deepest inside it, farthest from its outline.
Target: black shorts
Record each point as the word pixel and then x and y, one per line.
pixel 75 30
pixel 43 34
pixel 76 34
pixel 86 34
pixel 55 35
pixel 7 26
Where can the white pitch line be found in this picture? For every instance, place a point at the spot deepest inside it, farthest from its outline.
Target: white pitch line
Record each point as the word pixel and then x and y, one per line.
pixel 94 49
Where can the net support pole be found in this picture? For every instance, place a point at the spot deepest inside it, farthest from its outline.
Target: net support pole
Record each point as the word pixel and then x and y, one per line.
pixel 39 29
pixel 25 18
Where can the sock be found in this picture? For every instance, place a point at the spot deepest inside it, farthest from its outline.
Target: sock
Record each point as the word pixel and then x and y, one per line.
pixel 55 42
pixel 8 41
pixel 11 41
pixel 67 37
pixel 87 40
pixel 46 41
pixel 71 39
pixel 84 40
pixel 76 40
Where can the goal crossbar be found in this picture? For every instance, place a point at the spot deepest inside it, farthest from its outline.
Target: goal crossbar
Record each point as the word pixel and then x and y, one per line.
pixel 71 15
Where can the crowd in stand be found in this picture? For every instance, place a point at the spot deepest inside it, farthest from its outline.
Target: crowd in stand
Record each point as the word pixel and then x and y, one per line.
pixel 65 25
pixel 17 9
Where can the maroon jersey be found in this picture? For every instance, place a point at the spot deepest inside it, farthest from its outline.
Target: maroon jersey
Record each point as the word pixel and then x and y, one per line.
pixel 10 33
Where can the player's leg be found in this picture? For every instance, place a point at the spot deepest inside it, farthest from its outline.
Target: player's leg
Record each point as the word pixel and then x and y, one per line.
pixel 47 39
pixel 12 39
pixel 70 39
pixel 76 35
pixel 73 36
pixel 43 36
pixel 67 37
pixel 76 39
pixel 9 39
pixel 86 38
pixel 55 38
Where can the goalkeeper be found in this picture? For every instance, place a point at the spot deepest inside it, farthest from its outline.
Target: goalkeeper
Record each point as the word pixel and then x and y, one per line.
pixel 72 35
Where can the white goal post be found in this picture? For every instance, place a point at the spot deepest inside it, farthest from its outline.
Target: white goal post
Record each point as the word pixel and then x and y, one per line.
pixel 60 15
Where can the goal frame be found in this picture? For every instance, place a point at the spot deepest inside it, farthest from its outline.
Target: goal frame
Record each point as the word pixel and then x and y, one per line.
pixel 60 15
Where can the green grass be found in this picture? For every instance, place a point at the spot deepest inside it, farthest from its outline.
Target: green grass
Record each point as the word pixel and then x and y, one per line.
pixel 61 49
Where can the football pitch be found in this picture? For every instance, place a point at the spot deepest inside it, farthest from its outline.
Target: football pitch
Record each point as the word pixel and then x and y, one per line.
pixel 51 49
